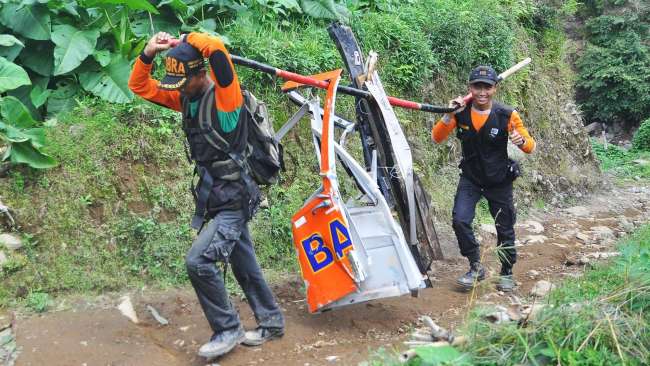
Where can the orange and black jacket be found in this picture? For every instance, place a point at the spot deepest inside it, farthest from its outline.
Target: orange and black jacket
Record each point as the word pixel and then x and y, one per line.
pixel 484 141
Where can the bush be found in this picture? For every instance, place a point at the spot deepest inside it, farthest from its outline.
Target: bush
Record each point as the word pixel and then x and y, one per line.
pixel 614 71
pixel 641 140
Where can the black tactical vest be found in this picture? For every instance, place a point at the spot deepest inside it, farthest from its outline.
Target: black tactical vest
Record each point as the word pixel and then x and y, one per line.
pixel 485 152
pixel 202 133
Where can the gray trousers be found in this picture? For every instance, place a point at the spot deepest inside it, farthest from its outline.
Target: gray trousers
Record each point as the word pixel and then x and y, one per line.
pixel 226 239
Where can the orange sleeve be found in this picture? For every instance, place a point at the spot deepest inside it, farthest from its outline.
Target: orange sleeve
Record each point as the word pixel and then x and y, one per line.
pixel 441 131
pixel 222 71
pixel 517 124
pixel 142 84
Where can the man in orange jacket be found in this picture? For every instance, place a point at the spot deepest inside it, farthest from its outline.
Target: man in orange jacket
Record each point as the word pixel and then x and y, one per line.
pixel 483 128
pixel 227 199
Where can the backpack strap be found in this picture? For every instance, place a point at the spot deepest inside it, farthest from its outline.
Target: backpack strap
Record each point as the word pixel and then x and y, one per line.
pixel 201 198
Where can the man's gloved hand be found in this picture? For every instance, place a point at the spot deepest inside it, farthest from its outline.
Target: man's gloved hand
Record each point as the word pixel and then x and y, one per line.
pixel 516 138
pixel 159 42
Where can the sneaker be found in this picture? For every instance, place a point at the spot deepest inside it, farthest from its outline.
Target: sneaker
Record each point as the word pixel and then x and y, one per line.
pixel 475 274
pixel 260 335
pixel 222 343
pixel 506 283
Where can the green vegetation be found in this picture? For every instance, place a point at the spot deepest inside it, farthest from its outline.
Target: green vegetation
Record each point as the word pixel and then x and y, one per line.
pixel 115 212
pixel 621 162
pixel 600 318
pixel 614 70
pixel 641 140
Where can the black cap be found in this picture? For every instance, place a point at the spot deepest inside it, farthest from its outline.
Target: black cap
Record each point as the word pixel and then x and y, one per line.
pixel 181 62
pixel 483 74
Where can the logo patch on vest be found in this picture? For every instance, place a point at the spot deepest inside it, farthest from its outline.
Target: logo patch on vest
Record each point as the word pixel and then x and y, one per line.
pixel 494 132
pixel 464 127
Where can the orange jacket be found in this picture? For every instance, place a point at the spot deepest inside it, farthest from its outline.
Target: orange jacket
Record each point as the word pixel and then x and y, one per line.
pixel 441 130
pixel 228 96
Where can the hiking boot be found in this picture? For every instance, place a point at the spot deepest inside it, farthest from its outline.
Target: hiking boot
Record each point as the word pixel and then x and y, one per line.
pixel 222 343
pixel 260 335
pixel 475 274
pixel 506 283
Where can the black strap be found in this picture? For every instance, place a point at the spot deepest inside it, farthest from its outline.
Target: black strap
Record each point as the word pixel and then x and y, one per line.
pixel 204 187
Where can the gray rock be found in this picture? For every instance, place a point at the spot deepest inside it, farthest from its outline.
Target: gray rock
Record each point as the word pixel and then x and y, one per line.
pixel 535 239
pixel 10 242
pixel 488 228
pixel 534 227
pixel 533 273
pixel 541 288
pixel 584 238
pixel 579 211
pixel 602 233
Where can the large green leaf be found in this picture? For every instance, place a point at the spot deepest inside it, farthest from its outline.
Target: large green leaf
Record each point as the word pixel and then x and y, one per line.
pixel 7 40
pixel 15 113
pixel 11 75
pixel 103 57
pixel 62 98
pixel 26 153
pixel 131 4
pixel 39 93
pixel 111 83
pixel 323 9
pixel 31 21
pixel 11 52
pixel 433 356
pixel 38 57
pixel 177 5
pixel 142 27
pixel 72 47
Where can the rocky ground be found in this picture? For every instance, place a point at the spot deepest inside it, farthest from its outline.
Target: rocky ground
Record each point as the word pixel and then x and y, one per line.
pixel 553 245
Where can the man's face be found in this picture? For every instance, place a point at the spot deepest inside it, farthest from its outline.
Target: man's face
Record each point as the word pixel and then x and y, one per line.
pixel 193 86
pixel 482 93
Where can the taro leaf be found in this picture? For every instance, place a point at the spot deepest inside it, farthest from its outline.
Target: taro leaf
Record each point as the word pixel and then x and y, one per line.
pixel 178 6
pixel 323 9
pixel 31 21
pixel 111 83
pixel 103 57
pixel 62 98
pixel 26 153
pixel 8 40
pixel 11 52
pixel 40 92
pixel 38 57
pixel 142 27
pixel 290 4
pixel 22 94
pixel 72 47
pixel 207 26
pixel 11 75
pixel 15 113
pixel 433 356
pixel 131 4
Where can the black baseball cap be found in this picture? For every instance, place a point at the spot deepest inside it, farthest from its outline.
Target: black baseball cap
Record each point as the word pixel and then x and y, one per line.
pixel 181 62
pixel 483 74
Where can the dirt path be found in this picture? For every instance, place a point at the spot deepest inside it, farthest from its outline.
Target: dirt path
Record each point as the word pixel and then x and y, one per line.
pixel 97 334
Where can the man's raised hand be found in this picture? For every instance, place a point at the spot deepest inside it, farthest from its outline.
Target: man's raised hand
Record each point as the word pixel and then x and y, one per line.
pixel 159 42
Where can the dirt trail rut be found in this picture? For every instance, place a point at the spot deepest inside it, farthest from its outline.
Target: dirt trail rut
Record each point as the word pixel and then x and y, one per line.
pixel 97 334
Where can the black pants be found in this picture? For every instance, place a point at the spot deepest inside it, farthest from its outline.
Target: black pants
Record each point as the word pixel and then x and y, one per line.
pixel 226 238
pixel 502 209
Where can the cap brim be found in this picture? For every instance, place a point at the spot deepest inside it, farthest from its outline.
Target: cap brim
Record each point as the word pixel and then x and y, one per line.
pixel 172 82
pixel 487 81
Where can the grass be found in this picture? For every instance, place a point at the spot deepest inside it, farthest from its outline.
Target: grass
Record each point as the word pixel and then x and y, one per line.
pixel 600 318
pixel 622 163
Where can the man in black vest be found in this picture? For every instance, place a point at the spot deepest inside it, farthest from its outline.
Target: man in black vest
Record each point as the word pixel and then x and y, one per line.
pixel 213 111
pixel 483 128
